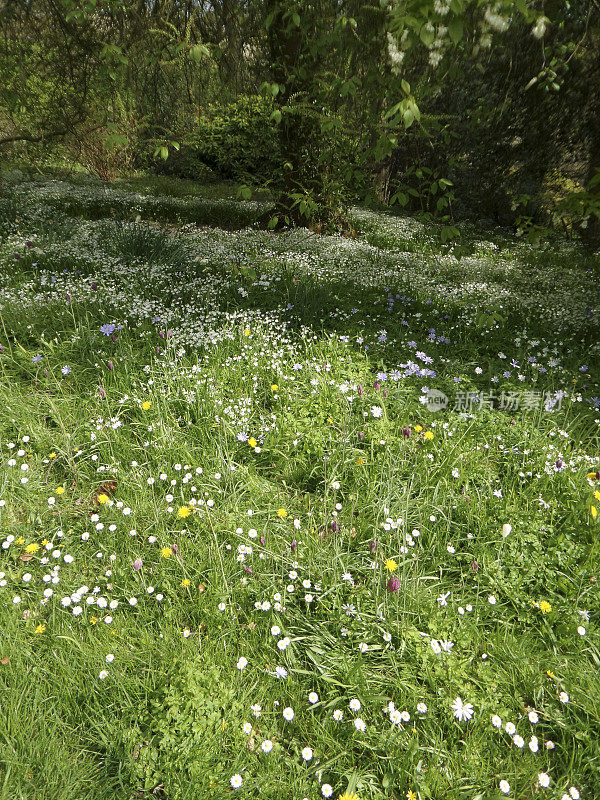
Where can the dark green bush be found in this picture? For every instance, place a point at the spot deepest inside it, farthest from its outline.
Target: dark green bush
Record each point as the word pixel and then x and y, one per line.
pixel 236 140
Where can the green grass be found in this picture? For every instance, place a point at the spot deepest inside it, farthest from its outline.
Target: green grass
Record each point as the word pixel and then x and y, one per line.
pixel 254 423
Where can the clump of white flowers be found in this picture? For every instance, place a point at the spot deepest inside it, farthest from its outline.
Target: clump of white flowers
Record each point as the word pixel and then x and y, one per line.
pixel 539 29
pixel 395 55
pixel 495 19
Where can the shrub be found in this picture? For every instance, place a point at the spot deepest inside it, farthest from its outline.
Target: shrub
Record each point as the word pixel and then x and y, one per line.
pixel 237 140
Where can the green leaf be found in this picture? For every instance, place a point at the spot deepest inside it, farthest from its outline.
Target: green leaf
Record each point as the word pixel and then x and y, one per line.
pixel 296 19
pixel 426 36
pixel 198 51
pixel 455 29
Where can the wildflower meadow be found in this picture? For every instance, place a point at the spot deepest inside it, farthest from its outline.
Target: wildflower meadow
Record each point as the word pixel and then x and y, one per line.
pixel 293 515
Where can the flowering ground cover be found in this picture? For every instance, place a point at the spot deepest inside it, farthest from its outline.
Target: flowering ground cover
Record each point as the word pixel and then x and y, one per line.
pixel 293 516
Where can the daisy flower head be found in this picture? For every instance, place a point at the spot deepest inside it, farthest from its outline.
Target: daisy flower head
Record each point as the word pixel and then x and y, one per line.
pixel 462 711
pixel 544 780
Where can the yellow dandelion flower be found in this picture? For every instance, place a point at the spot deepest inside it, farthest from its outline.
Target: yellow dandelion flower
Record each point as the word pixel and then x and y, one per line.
pixel 591 476
pixel 32 548
pixel 40 628
pixel 348 796
pixel 146 405
pixel 418 428
pixel 247 332
pixel 597 495
pixel 550 674
pixel 360 461
pixel 185 582
pixel 45 542
pixel 410 795
pixel 329 420
pixel 274 387
pixel 281 512
pixel 593 511
pixel 52 455
pixel 183 512
pixel 391 565
pixel 93 620
pixel 166 552
pixel 428 435
pixel 545 607
pixel 103 498
pixel 59 490
pixel 252 441
pixel 20 540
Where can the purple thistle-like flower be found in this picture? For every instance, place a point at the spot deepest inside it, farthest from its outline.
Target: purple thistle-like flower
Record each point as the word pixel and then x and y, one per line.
pixel 110 365
pixel 36 359
pixel 102 392
pixel 262 540
pixel 138 564
pixel 361 436
pixel 334 526
pixel 360 390
pixel 108 328
pixel 293 545
pixel 393 584
pixel 407 433
pixel 372 546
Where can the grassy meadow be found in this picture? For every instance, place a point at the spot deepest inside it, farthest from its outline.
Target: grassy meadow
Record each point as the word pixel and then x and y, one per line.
pixel 242 554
